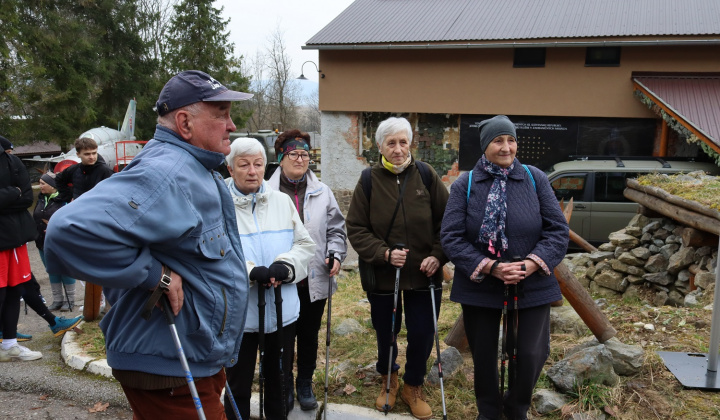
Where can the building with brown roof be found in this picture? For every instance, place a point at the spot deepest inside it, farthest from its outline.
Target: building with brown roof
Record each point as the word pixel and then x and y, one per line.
pixel 578 77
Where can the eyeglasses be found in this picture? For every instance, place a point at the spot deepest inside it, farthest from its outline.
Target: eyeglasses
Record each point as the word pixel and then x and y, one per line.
pixel 298 156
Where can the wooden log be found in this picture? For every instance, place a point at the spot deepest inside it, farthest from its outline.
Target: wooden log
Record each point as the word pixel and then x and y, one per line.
pixel 91 309
pixel 583 304
pixel 670 198
pixel 697 238
pixel 456 337
pixel 677 213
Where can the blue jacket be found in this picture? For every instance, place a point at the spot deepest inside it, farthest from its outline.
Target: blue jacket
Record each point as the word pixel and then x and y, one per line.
pixel 535 225
pixel 166 207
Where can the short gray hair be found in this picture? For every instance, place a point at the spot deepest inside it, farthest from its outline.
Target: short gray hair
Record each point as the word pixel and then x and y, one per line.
pixel 245 146
pixel 168 120
pixel 392 126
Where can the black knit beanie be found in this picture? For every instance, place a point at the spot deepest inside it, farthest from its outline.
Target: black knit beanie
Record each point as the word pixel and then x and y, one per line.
pixel 495 126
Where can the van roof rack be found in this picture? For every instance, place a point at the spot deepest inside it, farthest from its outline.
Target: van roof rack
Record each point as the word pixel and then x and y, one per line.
pixel 619 159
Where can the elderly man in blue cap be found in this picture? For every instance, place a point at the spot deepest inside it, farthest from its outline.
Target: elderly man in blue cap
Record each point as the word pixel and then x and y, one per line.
pixel 165 225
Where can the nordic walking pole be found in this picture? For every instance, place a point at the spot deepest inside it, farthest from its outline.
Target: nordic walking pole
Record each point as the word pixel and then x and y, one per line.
pixel 386 407
pixel 516 318
pixel 503 349
pixel 437 345
pixel 229 393
pixel 331 263
pixel 67 297
pixel 278 312
pixel 170 317
pixel 261 342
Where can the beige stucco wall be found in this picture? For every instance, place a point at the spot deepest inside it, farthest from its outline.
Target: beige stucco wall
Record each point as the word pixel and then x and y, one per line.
pixel 483 81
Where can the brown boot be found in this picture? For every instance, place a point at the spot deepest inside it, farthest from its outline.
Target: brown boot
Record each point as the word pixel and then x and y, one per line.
pixel 380 402
pixel 413 396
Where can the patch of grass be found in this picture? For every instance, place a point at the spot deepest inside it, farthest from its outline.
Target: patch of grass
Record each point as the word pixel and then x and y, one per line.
pixel 92 340
pixel 705 191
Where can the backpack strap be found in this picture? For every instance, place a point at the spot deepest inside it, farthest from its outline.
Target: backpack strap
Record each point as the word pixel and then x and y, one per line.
pixel 531 176
pixel 424 174
pixel 366 182
pixel 467 200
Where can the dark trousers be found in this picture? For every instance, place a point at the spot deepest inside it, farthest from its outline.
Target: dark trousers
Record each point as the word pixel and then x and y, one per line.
pixel 31 294
pixel 10 309
pixel 482 327
pixel 240 376
pixel 420 330
pixel 307 328
pixel 177 403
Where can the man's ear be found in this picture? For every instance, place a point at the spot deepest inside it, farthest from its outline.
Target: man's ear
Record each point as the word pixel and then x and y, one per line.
pixel 230 170
pixel 184 124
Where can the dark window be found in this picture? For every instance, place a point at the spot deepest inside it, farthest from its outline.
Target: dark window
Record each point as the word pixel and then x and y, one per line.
pixel 609 186
pixel 529 57
pixel 602 56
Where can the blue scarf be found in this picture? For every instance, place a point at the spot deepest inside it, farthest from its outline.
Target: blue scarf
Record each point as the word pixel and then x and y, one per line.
pixel 492 231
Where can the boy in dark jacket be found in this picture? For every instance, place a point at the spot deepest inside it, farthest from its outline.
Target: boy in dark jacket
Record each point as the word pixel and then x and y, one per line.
pixel 82 177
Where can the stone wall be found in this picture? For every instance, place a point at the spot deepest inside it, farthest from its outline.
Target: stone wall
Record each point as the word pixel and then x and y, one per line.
pixel 648 260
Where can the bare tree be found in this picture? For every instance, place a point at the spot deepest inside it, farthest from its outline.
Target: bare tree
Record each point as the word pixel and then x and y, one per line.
pixel 310 114
pixel 261 117
pixel 283 93
pixel 157 15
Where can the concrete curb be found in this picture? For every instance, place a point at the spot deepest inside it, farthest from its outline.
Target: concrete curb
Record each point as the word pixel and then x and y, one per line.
pixel 73 356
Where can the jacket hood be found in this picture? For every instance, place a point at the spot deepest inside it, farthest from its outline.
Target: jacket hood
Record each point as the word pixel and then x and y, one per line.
pixel 208 159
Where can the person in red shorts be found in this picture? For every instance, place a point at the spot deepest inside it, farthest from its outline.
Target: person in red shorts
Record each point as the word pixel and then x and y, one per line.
pixel 17 228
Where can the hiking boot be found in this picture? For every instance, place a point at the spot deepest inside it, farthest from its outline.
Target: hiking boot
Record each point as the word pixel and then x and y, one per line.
pixel 380 402
pixel 58 298
pixel 289 395
pixel 413 396
pixel 305 395
pixel 19 336
pixel 63 324
pixel 18 353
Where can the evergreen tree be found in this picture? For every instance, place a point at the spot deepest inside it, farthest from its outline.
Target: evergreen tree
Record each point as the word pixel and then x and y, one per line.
pixel 198 40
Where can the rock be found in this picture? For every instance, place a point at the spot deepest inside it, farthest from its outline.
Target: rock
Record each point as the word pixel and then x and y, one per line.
pixel 611 280
pixel 594 365
pixel 661 234
pixel 348 326
pixel 690 301
pixel 633 231
pixel 627 359
pixel 639 221
pixel 633 291
pixel 654 249
pixel 646 238
pixel 345 368
pixel 618 265
pixel 656 263
pixel 584 281
pixel 591 271
pixel 601 303
pixel 620 238
pixel 452 360
pixel 546 401
pixel 598 256
pixel 649 327
pixel 581 260
pixel 619 251
pixel 662 278
pixel 634 279
pixel 640 252
pixel 603 291
pixel 669 249
pixel 681 259
pixel 630 259
pixel 636 271
pixel 703 279
pixel 660 298
pixel 703 251
pixel 590 415
pixel 675 298
pixel 651 227
pixel 564 319
pixel 607 247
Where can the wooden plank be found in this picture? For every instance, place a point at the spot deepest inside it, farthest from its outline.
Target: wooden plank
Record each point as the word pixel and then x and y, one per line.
pixel 93 294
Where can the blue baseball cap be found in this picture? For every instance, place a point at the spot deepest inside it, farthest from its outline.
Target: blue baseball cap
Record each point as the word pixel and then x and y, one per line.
pixel 191 86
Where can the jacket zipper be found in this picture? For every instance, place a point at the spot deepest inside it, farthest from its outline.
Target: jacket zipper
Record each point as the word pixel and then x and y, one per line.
pixel 222 326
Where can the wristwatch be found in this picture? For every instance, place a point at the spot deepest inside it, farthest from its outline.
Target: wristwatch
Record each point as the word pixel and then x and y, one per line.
pixel 165 279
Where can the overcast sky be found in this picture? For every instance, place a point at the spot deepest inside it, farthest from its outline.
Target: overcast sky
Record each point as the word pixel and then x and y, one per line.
pixel 252 23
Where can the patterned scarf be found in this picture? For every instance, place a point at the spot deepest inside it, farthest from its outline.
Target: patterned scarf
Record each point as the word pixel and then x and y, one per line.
pixel 492 230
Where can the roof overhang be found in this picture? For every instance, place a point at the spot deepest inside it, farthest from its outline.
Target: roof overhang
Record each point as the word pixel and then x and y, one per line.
pixel 516 44
pixel 691 100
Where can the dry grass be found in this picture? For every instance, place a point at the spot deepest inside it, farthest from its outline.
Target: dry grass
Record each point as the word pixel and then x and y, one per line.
pixel 705 191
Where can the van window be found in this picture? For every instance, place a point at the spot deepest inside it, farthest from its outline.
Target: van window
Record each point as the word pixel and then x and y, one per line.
pixel 570 186
pixel 609 186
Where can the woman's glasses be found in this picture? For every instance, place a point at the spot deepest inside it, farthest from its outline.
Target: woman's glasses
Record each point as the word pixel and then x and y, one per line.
pixel 298 156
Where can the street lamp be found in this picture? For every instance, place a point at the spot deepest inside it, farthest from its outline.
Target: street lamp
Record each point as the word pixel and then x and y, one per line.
pixel 302 73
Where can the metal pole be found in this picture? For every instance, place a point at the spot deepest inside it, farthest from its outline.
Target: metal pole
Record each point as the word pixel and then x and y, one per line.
pixel 715 326
pixel 331 263
pixel 170 317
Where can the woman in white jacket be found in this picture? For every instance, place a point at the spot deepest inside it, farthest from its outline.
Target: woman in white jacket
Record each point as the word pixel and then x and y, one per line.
pixel 274 241
pixel 322 217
